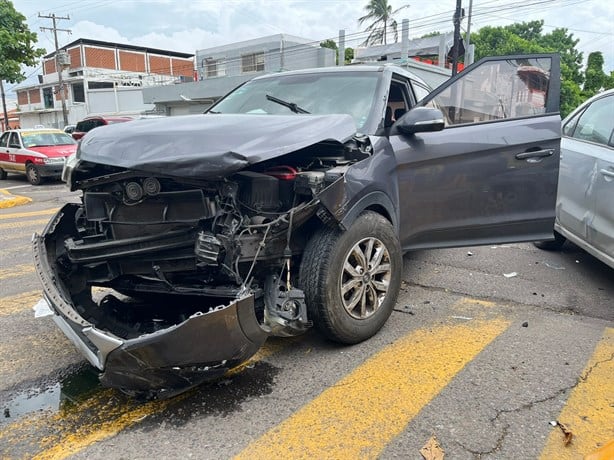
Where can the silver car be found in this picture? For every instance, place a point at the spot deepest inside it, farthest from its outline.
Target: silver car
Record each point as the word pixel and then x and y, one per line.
pixel 584 208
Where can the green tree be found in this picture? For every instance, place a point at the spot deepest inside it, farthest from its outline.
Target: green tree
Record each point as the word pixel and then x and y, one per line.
pixel 595 78
pixel 16 44
pixel 16 47
pixel 380 13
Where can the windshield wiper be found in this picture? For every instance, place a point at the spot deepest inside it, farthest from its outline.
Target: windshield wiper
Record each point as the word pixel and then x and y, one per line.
pixel 291 105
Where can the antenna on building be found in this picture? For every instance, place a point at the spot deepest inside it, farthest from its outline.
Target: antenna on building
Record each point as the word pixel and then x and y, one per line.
pixel 60 59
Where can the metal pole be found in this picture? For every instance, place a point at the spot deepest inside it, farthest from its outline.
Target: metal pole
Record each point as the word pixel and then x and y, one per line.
pixel 341 49
pixel 58 68
pixel 5 126
pixel 468 52
pixel 456 45
pixel 404 38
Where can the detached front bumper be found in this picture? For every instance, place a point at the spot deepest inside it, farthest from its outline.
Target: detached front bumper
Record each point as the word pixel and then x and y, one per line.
pixel 202 347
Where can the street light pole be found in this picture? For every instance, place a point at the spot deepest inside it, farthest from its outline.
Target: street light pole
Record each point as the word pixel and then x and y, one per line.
pixel 58 67
pixel 455 47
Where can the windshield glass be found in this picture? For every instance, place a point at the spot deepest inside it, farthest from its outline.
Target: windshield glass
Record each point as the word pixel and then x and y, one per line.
pixel 351 93
pixel 40 139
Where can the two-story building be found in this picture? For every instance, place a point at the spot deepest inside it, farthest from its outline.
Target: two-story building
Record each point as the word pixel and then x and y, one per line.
pixel 99 78
pixel 222 68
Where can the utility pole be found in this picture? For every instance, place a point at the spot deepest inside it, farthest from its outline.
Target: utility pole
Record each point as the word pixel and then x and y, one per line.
pixel 58 67
pixel 5 124
pixel 457 38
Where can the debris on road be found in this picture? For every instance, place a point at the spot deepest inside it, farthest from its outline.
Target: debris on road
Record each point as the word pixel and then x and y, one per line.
pixel 525 324
pixel 469 253
pixel 510 275
pixel 553 266
pixel 567 434
pixel 432 450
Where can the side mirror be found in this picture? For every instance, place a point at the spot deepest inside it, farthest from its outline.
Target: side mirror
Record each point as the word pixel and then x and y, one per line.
pixel 421 120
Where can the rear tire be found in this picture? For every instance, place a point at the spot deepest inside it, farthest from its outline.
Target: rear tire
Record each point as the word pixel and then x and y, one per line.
pixel 33 174
pixel 352 279
pixel 3 174
pixel 551 245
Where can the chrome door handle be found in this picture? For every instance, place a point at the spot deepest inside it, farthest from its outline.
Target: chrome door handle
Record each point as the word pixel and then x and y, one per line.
pixel 535 154
pixel 607 172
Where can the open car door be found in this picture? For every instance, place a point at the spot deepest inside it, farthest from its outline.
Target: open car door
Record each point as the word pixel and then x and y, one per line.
pixel 490 176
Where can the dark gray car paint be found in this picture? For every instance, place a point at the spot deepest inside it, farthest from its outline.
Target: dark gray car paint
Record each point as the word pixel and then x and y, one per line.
pixel 427 184
pixel 209 146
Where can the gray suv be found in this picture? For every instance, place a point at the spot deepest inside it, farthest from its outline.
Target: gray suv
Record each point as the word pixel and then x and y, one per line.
pixel 289 205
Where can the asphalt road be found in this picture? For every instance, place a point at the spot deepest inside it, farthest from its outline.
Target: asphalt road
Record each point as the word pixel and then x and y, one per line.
pixel 483 363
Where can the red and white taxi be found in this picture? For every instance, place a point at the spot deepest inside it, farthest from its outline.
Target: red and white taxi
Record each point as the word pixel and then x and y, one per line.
pixel 37 153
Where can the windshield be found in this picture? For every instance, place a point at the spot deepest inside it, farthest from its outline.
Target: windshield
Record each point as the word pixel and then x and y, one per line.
pixel 46 139
pixel 351 93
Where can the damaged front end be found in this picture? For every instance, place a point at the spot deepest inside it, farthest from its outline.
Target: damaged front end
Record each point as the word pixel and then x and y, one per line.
pixel 164 282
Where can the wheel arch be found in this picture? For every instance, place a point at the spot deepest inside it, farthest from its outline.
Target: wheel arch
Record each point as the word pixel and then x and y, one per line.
pixel 376 201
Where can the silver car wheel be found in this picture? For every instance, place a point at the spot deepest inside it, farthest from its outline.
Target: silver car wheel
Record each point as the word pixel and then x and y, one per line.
pixel 365 278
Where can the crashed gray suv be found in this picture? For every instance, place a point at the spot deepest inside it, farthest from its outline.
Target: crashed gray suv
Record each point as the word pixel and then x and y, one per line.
pixel 289 205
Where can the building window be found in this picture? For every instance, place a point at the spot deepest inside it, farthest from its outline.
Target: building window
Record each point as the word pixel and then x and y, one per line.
pixel 78 94
pixel 214 68
pixel 48 97
pixel 252 62
pixel 100 84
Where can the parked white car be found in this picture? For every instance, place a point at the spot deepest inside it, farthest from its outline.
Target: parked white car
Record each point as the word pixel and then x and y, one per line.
pixel 585 207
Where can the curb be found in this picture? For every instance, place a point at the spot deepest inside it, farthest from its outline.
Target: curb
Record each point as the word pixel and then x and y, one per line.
pixel 8 200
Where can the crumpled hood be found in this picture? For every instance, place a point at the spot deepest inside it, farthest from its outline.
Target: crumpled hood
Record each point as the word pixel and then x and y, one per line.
pixel 209 145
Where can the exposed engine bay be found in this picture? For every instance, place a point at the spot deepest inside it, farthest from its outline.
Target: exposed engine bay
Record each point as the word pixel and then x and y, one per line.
pixel 145 254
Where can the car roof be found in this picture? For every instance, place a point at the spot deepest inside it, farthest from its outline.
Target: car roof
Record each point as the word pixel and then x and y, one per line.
pixel 348 68
pixel 38 130
pixel 581 106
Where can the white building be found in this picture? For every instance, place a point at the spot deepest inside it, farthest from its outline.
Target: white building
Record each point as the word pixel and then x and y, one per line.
pixel 100 78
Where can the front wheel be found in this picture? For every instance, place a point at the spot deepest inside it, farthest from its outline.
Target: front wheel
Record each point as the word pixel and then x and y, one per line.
pixel 351 279
pixel 33 175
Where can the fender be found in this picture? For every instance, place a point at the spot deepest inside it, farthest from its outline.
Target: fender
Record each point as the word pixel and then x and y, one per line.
pixel 372 200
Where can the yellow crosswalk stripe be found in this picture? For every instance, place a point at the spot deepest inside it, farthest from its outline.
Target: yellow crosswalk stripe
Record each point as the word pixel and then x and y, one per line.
pixel 16 270
pixel 359 415
pixel 16 215
pixel 23 223
pixel 18 303
pixel 100 416
pixel 589 412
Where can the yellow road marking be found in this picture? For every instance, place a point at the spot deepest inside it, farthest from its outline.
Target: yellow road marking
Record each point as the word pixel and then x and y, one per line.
pixel 100 416
pixel 15 271
pixel 470 301
pixel 19 303
pixel 589 412
pixel 16 215
pixel 13 200
pixel 24 223
pixel 364 411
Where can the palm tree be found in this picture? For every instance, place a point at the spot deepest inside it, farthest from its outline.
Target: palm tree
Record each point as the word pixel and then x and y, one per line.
pixel 382 15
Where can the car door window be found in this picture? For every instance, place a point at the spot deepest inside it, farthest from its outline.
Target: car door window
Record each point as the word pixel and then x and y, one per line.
pixel 498 90
pixel 14 141
pixel 398 101
pixel 4 139
pixel 595 124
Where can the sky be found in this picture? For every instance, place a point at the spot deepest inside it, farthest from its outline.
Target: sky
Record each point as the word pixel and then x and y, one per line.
pixel 187 26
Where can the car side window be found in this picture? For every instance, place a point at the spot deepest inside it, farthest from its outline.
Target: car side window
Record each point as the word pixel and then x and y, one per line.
pixel 596 123
pixel 4 139
pixel 498 90
pixel 14 141
pixel 398 102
